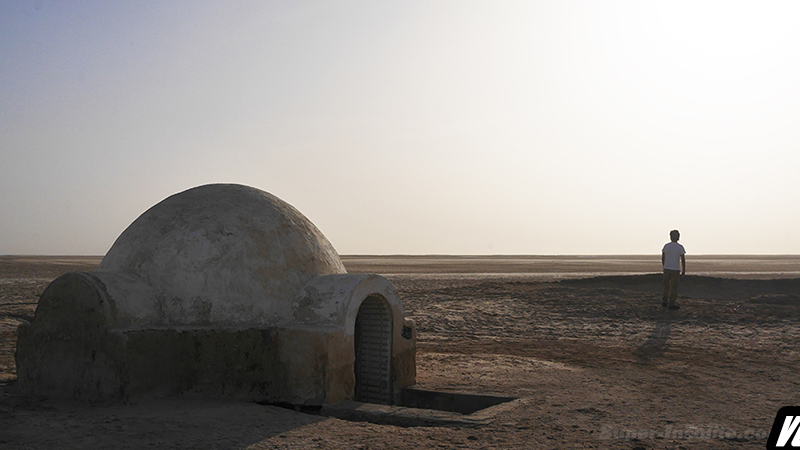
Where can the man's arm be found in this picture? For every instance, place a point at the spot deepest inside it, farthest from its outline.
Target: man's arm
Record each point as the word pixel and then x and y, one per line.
pixel 663 258
pixel 683 264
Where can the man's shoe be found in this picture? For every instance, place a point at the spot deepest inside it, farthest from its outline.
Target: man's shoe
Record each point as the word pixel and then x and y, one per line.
pixel 674 307
pixel 663 303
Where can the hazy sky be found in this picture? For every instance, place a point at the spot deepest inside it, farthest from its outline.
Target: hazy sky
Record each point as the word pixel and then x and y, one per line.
pixel 414 127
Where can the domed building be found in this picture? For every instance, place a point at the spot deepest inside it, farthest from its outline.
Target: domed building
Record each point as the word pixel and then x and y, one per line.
pixel 221 290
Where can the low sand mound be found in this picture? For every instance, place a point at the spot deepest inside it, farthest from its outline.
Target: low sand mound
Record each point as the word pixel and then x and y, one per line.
pixel 776 299
pixel 701 287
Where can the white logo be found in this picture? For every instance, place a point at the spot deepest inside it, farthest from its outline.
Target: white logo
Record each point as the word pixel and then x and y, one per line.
pixel 785 426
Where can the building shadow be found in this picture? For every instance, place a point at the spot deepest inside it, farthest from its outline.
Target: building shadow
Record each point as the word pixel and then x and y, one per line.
pixel 658 340
pixel 182 422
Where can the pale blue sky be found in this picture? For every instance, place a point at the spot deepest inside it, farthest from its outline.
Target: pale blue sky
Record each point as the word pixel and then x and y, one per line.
pixel 414 127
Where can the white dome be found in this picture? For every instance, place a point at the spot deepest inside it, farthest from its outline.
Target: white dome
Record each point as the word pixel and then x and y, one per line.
pixel 223 254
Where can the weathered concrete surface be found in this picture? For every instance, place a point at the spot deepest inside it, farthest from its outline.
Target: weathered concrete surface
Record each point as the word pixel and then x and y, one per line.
pixel 223 290
pixel 404 356
pixel 66 349
pixel 265 364
pixel 414 417
pixel 223 254
pixel 83 343
pixel 334 300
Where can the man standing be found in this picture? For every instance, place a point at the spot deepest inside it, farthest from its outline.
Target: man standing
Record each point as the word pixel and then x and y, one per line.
pixel 673 260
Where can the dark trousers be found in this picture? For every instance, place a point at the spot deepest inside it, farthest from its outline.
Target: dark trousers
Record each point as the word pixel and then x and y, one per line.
pixel 672 278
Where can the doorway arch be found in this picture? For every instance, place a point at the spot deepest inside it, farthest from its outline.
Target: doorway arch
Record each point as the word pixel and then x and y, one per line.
pixel 373 352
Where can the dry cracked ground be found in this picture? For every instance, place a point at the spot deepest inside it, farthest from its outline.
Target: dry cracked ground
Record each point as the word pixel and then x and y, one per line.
pixel 595 362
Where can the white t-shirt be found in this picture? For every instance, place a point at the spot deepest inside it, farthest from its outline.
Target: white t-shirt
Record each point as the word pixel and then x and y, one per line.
pixel 672 255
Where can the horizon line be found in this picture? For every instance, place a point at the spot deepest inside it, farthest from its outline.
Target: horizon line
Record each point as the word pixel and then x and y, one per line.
pixel 455 255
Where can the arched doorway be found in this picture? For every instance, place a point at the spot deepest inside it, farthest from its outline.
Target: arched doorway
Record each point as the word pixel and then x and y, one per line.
pixel 373 349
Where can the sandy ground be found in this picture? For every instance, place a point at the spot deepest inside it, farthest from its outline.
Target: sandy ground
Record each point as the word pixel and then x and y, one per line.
pixel 595 361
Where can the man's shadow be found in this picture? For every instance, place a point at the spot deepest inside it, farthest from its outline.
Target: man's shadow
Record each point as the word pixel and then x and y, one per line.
pixel 658 341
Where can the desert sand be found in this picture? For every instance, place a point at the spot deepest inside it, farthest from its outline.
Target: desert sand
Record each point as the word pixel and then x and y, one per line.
pixel 581 342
